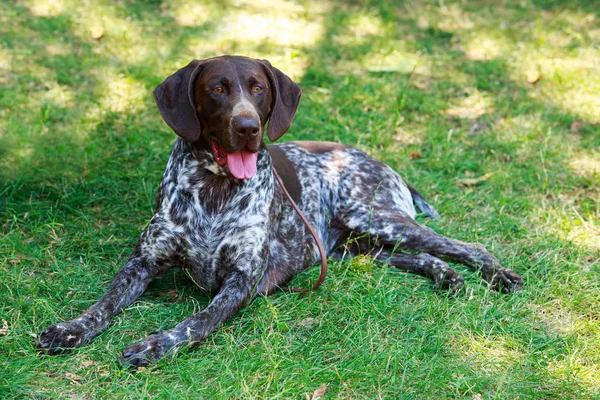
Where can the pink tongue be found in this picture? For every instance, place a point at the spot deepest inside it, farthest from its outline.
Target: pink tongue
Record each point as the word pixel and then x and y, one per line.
pixel 242 163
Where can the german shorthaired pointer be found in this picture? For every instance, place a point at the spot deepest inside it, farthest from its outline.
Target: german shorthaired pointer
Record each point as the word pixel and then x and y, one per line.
pixel 220 215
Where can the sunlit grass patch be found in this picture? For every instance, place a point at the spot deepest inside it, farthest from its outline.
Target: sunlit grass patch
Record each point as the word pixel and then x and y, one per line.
pixel 586 164
pixel 494 354
pixel 46 8
pixel 563 220
pixel 573 368
pixel 120 94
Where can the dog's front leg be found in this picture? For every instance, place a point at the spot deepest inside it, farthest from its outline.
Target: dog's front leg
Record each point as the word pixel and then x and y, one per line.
pixel 153 255
pixel 235 292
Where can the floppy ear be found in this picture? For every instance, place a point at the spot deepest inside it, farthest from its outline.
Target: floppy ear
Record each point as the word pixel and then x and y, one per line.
pixel 285 100
pixel 175 100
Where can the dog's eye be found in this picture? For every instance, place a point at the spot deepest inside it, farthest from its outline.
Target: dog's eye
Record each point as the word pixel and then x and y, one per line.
pixel 218 89
pixel 257 89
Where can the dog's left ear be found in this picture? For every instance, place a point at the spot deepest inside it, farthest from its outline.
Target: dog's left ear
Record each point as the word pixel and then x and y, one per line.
pixel 175 100
pixel 285 95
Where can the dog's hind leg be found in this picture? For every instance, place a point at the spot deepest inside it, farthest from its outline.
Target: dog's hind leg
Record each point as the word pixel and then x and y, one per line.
pixel 395 230
pixel 153 256
pixel 444 277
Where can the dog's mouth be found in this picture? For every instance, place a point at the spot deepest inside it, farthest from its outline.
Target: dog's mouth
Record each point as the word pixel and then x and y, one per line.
pixel 241 163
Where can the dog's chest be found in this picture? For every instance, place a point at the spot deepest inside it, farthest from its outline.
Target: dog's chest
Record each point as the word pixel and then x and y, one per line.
pixel 223 221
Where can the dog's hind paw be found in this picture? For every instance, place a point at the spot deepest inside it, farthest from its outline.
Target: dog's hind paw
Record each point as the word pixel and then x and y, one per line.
pixel 505 281
pixel 449 281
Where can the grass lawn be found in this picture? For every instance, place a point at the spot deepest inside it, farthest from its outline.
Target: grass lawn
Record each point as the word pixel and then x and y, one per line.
pixel 441 90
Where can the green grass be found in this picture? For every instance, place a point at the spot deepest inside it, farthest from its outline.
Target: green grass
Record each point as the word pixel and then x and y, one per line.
pixel 438 89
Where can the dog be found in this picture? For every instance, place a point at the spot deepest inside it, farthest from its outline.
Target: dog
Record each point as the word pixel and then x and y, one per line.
pixel 221 216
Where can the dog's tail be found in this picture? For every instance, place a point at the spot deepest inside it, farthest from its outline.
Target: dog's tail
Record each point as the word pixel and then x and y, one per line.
pixel 421 204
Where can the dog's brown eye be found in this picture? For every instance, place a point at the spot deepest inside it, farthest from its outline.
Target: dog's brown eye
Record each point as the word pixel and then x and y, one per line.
pixel 218 89
pixel 257 89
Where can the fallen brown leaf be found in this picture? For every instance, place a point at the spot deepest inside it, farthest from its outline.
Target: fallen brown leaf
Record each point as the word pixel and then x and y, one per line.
pixel 171 294
pixel 415 156
pixel 4 330
pixel 576 126
pixel 319 392
pixel 466 112
pixel 473 181
pixel 14 262
pixel 368 108
pixel 73 379
pixel 533 76
pixel 88 363
pixel 97 32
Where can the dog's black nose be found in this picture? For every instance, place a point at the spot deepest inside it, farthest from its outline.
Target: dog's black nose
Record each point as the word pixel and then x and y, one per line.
pixel 246 126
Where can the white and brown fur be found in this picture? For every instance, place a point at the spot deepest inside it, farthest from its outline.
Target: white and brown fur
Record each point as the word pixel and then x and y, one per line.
pixel 241 238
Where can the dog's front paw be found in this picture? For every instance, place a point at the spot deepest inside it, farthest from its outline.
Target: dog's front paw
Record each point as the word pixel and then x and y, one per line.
pixel 148 351
pixel 505 281
pixel 60 338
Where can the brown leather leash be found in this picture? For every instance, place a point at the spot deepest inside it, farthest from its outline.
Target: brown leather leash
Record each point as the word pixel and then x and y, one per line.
pixel 314 235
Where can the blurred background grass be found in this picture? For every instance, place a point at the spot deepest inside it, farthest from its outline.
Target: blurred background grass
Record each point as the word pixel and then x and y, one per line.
pixel 440 90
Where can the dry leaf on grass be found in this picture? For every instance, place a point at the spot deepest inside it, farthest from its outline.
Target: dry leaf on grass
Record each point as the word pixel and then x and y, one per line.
pixel 88 363
pixel 171 294
pixel 97 32
pixel 473 181
pixel 533 76
pixel 415 156
pixel 576 127
pixel 368 109
pixel 466 112
pixel 4 330
pixel 73 379
pixel 319 392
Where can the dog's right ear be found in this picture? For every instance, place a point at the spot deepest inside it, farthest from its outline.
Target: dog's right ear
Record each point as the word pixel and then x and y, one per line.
pixel 175 100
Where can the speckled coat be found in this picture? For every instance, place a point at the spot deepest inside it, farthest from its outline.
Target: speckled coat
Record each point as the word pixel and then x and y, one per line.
pixel 239 238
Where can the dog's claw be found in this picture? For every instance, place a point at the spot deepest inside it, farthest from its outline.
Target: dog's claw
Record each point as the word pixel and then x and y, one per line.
pixel 506 281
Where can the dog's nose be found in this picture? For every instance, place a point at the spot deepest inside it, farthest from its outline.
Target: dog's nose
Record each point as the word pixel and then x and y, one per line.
pixel 246 126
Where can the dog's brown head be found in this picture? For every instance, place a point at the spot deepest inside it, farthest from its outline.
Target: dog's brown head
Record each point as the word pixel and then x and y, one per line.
pixel 226 102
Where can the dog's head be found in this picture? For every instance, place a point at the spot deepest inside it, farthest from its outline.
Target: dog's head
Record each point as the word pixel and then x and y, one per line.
pixel 226 102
